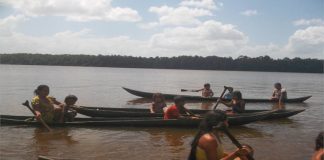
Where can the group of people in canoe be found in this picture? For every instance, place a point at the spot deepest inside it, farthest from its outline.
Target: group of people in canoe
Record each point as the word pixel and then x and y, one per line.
pixel 206 144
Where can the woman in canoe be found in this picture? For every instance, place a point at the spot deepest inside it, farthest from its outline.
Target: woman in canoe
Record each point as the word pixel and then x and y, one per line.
pixel 45 106
pixel 207 144
pixel 178 110
pixel 158 103
pixel 319 150
pixel 237 103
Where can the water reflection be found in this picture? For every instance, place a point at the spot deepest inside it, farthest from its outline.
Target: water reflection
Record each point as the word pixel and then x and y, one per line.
pixel 206 105
pixel 45 141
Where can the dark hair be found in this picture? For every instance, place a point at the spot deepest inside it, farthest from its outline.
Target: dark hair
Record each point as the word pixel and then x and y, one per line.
pixel 238 94
pixel 277 84
pixel 39 88
pixel 212 120
pixel 319 141
pixel 73 97
pixel 178 99
pixel 156 95
pixel 206 84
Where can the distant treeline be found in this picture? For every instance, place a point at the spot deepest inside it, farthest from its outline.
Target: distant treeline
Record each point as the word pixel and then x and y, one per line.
pixel 242 63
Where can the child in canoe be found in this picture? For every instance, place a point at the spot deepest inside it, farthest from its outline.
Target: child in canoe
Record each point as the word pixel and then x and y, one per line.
pixel 68 108
pixel 206 91
pixel 279 94
pixel 237 103
pixel 158 103
pixel 178 110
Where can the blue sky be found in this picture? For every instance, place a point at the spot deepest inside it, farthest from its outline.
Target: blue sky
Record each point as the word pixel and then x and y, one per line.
pixel 286 28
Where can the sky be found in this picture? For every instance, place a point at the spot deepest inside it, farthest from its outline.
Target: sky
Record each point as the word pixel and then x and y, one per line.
pixel 150 28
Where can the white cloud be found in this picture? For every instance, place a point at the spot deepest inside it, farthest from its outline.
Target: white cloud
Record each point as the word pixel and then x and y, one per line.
pixel 309 22
pixel 209 38
pixel 75 10
pixel 180 15
pixel 208 4
pixel 69 42
pixel 307 42
pixel 249 13
pixel 149 25
pixel 9 24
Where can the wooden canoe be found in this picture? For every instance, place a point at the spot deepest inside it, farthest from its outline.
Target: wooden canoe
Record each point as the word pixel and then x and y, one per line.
pixel 141 112
pixel 199 98
pixel 133 122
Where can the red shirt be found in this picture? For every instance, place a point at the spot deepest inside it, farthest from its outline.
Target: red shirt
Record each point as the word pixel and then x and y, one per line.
pixel 172 113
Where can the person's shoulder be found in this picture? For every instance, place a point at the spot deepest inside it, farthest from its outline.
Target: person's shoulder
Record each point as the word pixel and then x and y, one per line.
pixel 283 90
pixel 172 107
pixel 318 155
pixel 208 140
pixel 35 98
pixel 208 137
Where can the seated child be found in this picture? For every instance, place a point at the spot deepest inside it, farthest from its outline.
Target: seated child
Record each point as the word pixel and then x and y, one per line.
pixel 68 108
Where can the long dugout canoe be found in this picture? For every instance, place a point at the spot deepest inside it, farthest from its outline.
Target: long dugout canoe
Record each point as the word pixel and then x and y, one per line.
pixel 132 122
pixel 199 98
pixel 141 112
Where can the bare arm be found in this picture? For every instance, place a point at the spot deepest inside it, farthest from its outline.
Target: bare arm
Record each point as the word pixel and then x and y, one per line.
pixel 227 104
pixel 151 109
pixel 198 90
pixel 189 112
pixel 36 108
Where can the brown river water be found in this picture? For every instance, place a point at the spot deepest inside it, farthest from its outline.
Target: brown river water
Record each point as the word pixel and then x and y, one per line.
pixel 289 139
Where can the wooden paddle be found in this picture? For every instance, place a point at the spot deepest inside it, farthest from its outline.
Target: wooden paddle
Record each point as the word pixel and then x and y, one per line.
pixel 235 142
pixel 220 97
pixel 188 90
pixel 33 111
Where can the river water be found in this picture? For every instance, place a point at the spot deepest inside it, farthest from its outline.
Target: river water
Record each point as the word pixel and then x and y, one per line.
pixel 290 139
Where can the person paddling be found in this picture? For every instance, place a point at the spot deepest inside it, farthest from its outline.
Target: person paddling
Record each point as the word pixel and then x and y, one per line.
pixel 206 91
pixel 45 106
pixel 178 110
pixel 207 145
pixel 237 103
pixel 158 103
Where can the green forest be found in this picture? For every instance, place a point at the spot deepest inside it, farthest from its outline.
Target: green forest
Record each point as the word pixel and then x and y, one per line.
pixel 242 63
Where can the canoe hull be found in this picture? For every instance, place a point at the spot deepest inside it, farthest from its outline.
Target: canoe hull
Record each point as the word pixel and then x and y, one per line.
pixel 133 122
pixel 139 112
pixel 212 99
